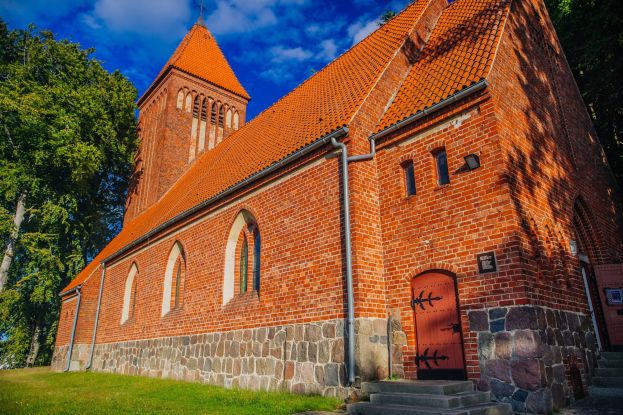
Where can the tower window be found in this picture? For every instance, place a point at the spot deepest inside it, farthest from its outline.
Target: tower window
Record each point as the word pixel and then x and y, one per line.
pixel 221 116
pixel 196 107
pixel 204 109
pixel 213 114
pixel 409 173
pixel 441 162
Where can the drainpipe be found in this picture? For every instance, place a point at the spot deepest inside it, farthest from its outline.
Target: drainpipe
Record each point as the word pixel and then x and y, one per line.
pixel 97 316
pixel 350 302
pixel 73 329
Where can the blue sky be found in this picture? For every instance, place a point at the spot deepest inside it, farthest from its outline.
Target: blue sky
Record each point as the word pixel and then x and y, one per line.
pixel 272 45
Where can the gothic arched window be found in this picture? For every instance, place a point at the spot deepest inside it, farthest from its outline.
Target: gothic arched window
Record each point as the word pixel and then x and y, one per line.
pixel 228 118
pixel 244 264
pixel 220 116
pixel 175 271
pixel 213 113
pixel 129 295
pixel 243 250
pixel 180 99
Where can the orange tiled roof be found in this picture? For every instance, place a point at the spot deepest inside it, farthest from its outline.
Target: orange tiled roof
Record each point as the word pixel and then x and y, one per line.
pixel 320 105
pixel 199 54
pixel 458 54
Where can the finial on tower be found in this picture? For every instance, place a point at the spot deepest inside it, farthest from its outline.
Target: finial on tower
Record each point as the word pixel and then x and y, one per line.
pixel 200 20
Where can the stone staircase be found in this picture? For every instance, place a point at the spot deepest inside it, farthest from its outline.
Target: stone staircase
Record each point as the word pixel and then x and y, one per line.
pixel 426 397
pixel 608 379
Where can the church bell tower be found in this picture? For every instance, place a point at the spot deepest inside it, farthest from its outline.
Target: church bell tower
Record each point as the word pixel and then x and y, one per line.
pixel 195 102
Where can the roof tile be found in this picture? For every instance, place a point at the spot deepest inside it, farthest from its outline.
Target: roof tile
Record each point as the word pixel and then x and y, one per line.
pixel 459 53
pixel 199 54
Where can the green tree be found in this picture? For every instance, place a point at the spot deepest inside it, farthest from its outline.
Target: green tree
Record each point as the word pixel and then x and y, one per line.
pixel 591 33
pixel 68 139
pixel 386 17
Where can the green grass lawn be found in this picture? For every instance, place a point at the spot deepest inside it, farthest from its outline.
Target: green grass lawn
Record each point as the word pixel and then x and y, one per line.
pixel 41 391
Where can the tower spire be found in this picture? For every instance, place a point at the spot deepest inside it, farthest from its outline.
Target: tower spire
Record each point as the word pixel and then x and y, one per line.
pixel 200 20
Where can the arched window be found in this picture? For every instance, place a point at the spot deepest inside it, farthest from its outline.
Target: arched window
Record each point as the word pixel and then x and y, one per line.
pixel 173 289
pixel 409 175
pixel 236 120
pixel 180 99
pixel 213 114
pixel 187 104
pixel 220 116
pixel 129 295
pixel 441 164
pixel 243 249
pixel 244 264
pixel 204 109
pixel 228 118
pixel 256 258
pixel 196 107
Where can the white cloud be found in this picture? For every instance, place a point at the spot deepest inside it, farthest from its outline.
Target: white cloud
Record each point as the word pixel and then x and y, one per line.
pixel 278 75
pixel 280 54
pixel 359 30
pixel 328 50
pixel 245 16
pixel 164 18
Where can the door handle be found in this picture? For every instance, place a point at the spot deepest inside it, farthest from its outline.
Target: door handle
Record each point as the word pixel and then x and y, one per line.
pixel 455 327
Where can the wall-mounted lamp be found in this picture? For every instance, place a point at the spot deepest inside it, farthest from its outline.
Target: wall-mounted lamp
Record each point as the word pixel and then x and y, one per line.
pixel 472 161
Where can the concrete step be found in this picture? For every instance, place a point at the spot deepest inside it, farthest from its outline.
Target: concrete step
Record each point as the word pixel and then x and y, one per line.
pixel 431 387
pixel 369 408
pixel 609 372
pixel 608 382
pixel 609 363
pixel 612 355
pixel 432 401
pixel 600 392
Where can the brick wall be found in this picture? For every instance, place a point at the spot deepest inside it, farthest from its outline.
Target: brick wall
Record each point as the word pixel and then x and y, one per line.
pixel 444 227
pixel 552 158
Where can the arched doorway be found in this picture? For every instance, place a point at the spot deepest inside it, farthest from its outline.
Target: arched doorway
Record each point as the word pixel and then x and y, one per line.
pixel 587 254
pixel 439 338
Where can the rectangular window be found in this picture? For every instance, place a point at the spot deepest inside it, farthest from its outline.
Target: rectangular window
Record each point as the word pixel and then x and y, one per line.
pixel 409 173
pixel 441 160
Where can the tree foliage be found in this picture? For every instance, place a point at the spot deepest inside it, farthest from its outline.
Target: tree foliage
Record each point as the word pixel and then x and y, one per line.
pixel 386 17
pixel 591 33
pixel 68 138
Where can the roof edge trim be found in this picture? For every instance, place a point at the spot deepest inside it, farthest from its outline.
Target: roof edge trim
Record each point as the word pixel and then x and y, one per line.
pixel 338 133
pixel 478 86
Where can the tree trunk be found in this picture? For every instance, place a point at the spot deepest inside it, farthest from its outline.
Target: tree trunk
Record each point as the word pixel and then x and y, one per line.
pixel 34 345
pixel 20 211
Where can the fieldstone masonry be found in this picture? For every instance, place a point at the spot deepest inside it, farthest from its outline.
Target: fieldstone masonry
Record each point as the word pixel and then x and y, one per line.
pixel 533 357
pixel 302 358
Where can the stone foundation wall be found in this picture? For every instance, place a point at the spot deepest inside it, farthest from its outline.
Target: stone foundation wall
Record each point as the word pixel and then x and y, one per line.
pixel 534 357
pixel 303 358
pixel 79 357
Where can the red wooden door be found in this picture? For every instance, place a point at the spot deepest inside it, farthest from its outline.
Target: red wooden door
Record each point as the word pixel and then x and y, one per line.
pixel 437 327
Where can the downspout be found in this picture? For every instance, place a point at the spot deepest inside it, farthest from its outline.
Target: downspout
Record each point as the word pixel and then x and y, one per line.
pixel 73 329
pixel 97 316
pixel 350 302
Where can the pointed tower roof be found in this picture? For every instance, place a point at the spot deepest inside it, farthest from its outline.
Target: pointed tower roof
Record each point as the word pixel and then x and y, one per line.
pixel 198 54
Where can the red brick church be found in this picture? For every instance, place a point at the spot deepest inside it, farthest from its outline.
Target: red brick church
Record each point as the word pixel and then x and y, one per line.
pixel 433 204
